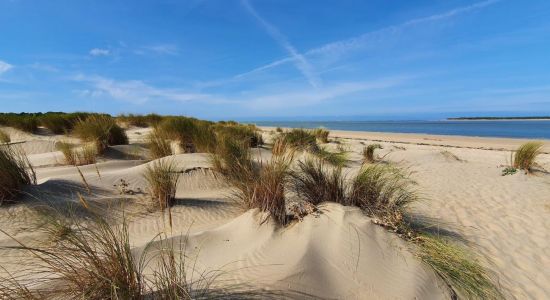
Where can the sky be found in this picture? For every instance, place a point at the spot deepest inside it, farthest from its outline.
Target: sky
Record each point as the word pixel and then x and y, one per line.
pixel 277 59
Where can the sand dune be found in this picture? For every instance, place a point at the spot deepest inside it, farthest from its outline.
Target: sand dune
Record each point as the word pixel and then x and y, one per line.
pixel 337 254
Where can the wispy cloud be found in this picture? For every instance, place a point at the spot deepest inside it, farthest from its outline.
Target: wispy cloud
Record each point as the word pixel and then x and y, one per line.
pixel 369 38
pixel 309 97
pixel 100 52
pixel 161 49
pixel 4 67
pixel 298 59
pixel 137 91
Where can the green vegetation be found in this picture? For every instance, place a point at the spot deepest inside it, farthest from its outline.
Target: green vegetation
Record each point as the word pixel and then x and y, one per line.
pixel 368 153
pixel 162 177
pixel 85 155
pixel 316 182
pixel 56 122
pixel 100 129
pixel 15 172
pixel 140 120
pixel 321 134
pixel 526 154
pixel 159 146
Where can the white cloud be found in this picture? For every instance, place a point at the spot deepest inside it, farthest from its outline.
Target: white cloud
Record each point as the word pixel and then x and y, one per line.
pixel 137 91
pixel 99 52
pixel 163 49
pixel 299 60
pixel 4 67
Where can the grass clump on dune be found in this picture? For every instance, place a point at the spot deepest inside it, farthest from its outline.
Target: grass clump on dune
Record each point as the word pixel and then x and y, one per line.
pixel 368 153
pixel 256 184
pixel 162 177
pixel 85 155
pixel 101 129
pixel 317 182
pixel 15 172
pixel 4 137
pixel 159 146
pixel 385 193
pixel 526 155
pixel 94 259
pixel 321 134
pixel 140 120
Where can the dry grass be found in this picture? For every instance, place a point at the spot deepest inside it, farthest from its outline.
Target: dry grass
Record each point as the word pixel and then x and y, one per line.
pixel 4 137
pixel 256 185
pixel 368 153
pixel 317 182
pixel 458 267
pixel 86 155
pixel 321 134
pixel 159 146
pixel 93 259
pixel 162 177
pixel 15 172
pixel 101 129
pixel 526 155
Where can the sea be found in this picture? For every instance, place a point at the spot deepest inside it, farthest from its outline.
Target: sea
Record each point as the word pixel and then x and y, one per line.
pixel 526 129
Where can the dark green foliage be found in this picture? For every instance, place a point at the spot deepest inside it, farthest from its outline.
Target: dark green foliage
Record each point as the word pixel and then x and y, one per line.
pixel 15 172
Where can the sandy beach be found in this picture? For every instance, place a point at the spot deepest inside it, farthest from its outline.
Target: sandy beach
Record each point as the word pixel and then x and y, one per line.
pixel 335 254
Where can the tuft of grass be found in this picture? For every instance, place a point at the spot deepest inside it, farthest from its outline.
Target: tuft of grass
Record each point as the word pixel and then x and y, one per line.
pixel 101 129
pixel 4 137
pixel 321 134
pixel 162 177
pixel 256 185
pixel 339 159
pixel 77 157
pixel 159 146
pixel 458 267
pixel 15 172
pixel 279 130
pixel 57 124
pixel 181 129
pixel 526 155
pixel 300 139
pixel 383 192
pixel 368 153
pixel 280 147
pixel 509 171
pixel 317 182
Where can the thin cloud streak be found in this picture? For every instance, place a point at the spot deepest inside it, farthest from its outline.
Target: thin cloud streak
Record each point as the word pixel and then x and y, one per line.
pixel 299 60
pixel 346 45
pixel 4 67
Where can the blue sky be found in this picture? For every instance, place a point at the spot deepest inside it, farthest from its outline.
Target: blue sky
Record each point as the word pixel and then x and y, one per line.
pixel 277 58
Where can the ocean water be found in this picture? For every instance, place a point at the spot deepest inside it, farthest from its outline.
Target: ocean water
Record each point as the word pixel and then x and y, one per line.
pixel 533 129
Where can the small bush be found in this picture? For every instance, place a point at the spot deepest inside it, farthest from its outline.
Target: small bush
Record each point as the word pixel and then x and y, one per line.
pixel 162 177
pixel 15 172
pixel 4 137
pixel 317 182
pixel 509 171
pixel 279 130
pixel 368 153
pixel 526 154
pixel 101 129
pixel 158 145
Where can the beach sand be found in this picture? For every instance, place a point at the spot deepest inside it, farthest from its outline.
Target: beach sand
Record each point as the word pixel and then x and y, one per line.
pixel 337 254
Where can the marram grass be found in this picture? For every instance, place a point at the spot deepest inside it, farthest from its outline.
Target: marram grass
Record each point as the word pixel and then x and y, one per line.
pixel 16 171
pixel 526 155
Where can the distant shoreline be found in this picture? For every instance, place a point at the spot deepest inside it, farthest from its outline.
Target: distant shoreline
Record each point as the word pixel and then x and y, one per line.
pixel 499 119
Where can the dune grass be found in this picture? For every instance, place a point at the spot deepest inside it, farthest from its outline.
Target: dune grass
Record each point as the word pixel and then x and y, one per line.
pixel 256 184
pixel 140 120
pixel 300 139
pixel 159 146
pixel 458 267
pixel 526 155
pixel 15 172
pixel 321 134
pixel 4 137
pixel 162 178
pixel 317 182
pixel 385 194
pixel 101 129
pixel 368 153
pixel 86 155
